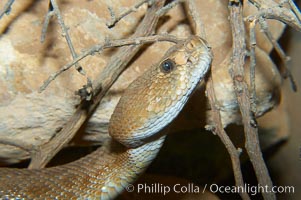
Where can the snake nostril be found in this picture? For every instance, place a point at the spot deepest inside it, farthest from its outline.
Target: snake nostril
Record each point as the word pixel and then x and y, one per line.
pixel 191 60
pixel 190 46
pixel 189 63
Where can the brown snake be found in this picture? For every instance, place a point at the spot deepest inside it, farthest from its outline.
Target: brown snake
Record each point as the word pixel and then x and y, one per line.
pixel 147 106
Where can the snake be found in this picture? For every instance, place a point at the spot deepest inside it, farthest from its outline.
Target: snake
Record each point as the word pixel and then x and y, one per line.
pixel 138 128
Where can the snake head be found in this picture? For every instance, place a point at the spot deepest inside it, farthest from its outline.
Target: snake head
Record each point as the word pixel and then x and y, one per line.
pixel 155 98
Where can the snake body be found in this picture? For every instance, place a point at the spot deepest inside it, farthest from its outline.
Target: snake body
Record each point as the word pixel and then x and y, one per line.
pixel 147 106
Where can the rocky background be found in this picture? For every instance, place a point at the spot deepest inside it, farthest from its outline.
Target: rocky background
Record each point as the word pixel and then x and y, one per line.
pixel 32 118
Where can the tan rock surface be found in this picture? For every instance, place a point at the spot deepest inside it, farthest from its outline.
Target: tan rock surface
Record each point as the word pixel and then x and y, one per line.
pixel 25 64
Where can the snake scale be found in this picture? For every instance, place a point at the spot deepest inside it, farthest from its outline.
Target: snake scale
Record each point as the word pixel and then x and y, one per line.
pixel 137 126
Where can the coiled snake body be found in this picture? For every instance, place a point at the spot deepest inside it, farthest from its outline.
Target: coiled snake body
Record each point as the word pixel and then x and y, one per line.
pixel 148 105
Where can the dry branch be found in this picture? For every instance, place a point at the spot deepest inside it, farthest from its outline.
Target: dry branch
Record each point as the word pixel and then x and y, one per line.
pixel 194 16
pixel 54 10
pixel 295 9
pixel 101 85
pixel 219 130
pixel 272 10
pixel 243 98
pixel 126 12
pixel 269 9
pixel 169 6
pixel 284 58
pixel 7 7
pixel 48 16
pixel 252 66
pixel 109 44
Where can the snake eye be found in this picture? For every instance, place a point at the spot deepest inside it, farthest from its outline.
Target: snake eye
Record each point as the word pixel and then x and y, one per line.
pixel 167 66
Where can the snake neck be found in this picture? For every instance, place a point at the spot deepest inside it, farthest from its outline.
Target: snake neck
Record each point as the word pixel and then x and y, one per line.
pixel 102 174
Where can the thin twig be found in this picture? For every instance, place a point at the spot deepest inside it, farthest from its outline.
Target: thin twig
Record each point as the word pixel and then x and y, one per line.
pixel 169 6
pixel 271 10
pixel 134 8
pixel 49 14
pixel 285 59
pixel 109 44
pixel 6 8
pixel 252 66
pixel 54 8
pixel 197 24
pixel 242 95
pixel 219 130
pixel 282 14
pixel 103 82
pixel 295 9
